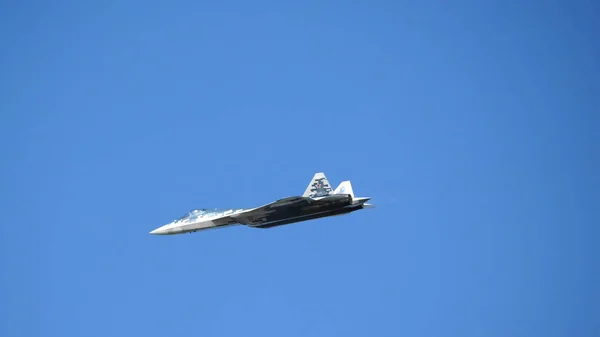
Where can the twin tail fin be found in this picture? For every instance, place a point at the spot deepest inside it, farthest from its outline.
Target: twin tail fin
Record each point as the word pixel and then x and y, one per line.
pixel 319 187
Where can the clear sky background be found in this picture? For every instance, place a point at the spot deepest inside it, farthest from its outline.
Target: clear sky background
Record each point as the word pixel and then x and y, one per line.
pixel 473 125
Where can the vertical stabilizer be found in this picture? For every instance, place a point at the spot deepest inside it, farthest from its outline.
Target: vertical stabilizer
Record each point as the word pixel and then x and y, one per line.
pixel 318 187
pixel 345 187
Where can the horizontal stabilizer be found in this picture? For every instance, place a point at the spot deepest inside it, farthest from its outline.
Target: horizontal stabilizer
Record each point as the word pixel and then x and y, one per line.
pixel 360 200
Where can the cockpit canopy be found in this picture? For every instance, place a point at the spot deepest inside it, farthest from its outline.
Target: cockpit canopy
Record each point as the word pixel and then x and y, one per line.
pixel 205 213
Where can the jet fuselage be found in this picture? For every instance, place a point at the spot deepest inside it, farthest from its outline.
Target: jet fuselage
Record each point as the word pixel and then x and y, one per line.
pixel 318 201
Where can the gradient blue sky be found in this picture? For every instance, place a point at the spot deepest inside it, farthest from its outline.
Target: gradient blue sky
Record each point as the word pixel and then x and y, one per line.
pixel 472 124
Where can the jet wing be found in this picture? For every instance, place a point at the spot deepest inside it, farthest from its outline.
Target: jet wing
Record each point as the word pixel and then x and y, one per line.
pixel 258 215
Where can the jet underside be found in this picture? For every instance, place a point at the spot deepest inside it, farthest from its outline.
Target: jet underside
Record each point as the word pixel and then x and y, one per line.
pixel 305 211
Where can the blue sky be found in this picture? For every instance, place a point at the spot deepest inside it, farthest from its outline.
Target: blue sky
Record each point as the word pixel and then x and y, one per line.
pixel 473 126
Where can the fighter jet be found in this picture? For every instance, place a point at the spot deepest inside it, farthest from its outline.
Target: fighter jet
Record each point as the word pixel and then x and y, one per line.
pixel 318 201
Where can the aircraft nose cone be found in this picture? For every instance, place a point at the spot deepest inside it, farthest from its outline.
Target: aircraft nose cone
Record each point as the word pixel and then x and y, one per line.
pixel 158 231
